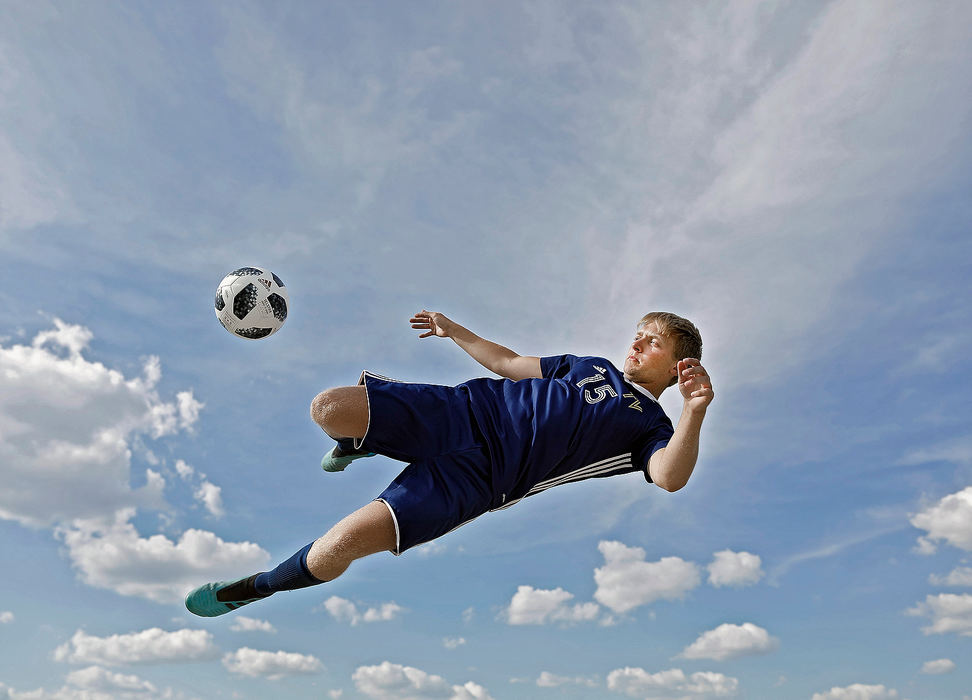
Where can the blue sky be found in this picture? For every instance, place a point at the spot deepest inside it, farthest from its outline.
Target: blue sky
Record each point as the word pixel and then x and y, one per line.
pixel 794 177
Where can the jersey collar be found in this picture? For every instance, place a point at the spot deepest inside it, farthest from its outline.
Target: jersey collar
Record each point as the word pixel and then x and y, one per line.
pixel 641 390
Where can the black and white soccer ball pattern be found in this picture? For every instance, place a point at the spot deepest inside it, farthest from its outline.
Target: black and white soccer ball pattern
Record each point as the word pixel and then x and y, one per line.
pixel 251 302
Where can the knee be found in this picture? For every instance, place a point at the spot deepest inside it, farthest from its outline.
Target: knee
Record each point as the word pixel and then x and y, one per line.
pixel 340 544
pixel 323 407
pixel 341 411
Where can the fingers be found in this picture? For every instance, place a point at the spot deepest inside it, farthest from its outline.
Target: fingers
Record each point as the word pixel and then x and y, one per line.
pixel 694 381
pixel 423 317
pixel 423 320
pixel 690 368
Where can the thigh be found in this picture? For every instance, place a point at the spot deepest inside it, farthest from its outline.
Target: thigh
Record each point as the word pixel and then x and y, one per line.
pixel 368 530
pixel 412 422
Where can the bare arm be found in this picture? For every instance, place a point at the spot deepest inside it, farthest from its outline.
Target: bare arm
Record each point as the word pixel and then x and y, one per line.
pixel 490 355
pixel 671 466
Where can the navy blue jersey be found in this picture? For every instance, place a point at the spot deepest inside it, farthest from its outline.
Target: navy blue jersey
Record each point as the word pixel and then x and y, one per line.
pixel 580 420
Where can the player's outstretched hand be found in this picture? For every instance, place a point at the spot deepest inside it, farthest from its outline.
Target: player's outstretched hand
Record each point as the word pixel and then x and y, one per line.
pixel 432 322
pixel 694 384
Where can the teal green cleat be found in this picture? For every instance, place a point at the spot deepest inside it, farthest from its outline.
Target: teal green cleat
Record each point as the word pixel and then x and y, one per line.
pixel 337 460
pixel 213 599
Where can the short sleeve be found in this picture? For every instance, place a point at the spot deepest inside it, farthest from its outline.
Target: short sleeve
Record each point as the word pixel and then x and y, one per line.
pixel 556 366
pixel 653 441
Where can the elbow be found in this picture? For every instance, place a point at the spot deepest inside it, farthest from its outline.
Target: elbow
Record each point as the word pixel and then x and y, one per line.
pixel 670 485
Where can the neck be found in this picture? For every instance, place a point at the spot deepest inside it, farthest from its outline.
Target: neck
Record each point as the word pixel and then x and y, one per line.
pixel 655 389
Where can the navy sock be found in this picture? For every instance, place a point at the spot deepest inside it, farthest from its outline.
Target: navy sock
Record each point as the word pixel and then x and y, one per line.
pixel 288 576
pixel 346 445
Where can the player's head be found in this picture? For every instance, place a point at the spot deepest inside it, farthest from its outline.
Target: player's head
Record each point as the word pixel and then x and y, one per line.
pixel 680 338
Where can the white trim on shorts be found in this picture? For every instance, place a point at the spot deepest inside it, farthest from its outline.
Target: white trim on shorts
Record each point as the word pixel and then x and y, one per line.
pixel 358 442
pixel 398 535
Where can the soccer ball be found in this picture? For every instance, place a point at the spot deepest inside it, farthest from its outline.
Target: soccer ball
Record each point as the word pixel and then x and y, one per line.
pixel 251 302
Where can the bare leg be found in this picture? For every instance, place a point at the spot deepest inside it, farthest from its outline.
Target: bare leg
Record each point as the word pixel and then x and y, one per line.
pixel 366 531
pixel 342 412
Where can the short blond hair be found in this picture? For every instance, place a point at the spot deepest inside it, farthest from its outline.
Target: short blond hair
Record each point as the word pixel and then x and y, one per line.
pixel 685 337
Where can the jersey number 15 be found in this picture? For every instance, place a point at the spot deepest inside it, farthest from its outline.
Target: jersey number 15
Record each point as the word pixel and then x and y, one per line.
pixel 600 392
pixel 603 391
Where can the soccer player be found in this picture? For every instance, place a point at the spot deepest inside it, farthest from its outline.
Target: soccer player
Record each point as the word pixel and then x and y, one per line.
pixel 488 443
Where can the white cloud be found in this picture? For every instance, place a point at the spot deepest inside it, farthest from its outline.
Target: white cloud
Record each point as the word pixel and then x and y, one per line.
pixel 68 425
pixel 96 678
pixel 804 111
pixel 186 471
pixel 6 617
pixel 189 409
pixel 453 642
pixel 780 161
pixel 74 339
pixel 343 610
pixel 148 646
pixel 627 581
pixel 470 691
pixel 431 549
pixel 938 666
pixel 735 569
pixel 249 624
pixel 957 451
pixel 729 641
pixel 375 122
pixel 673 683
pixel 828 550
pixel 93 683
pixel 959 576
pixel 536 606
pixel 383 613
pixel 857 691
pixel 207 493
pixel 29 196
pixel 949 613
pixel 388 681
pixel 111 554
pixel 273 665
pixel 551 680
pixel 950 520
pixel 210 496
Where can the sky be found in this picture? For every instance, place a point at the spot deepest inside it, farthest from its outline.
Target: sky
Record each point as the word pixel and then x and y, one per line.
pixel 794 177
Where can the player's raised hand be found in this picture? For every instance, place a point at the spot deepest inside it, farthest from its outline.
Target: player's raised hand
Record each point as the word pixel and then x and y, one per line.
pixel 432 322
pixel 694 384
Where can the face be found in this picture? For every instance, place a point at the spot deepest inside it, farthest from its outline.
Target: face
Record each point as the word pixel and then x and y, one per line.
pixel 651 358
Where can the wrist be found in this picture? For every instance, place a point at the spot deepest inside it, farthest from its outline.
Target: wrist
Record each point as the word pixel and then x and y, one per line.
pixel 446 326
pixel 693 411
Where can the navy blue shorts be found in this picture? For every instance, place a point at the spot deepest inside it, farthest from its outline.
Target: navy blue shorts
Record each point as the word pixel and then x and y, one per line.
pixel 448 481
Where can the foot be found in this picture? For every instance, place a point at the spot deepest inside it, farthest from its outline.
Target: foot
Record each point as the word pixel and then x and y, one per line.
pixel 338 459
pixel 219 598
